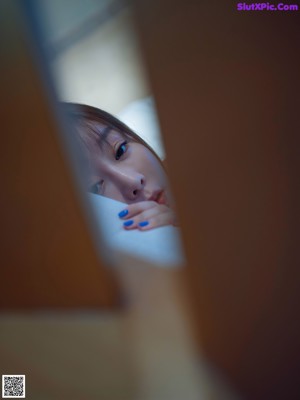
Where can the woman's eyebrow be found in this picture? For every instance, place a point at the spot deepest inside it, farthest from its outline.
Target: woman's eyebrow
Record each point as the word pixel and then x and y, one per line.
pixel 110 130
pixel 105 132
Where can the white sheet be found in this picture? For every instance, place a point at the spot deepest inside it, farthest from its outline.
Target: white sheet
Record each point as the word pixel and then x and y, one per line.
pixel 161 246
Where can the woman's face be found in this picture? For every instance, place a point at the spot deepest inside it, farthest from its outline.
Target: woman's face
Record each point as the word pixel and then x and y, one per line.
pixel 126 171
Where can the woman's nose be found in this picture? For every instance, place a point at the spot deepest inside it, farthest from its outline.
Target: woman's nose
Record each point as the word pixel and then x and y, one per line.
pixel 131 184
pixel 137 186
pixel 134 187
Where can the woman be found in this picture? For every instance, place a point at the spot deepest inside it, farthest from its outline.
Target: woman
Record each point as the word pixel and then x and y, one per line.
pixel 121 166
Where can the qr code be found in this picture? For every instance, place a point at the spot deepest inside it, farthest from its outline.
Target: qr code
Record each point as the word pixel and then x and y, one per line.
pixel 13 386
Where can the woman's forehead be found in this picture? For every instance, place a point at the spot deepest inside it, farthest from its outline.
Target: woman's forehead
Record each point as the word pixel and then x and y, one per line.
pixel 106 131
pixel 102 139
pixel 110 135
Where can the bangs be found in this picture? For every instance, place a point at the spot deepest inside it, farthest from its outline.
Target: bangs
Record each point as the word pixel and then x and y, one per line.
pixel 92 126
pixel 91 134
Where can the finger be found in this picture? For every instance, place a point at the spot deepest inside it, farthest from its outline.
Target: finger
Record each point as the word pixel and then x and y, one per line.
pixel 133 223
pixel 136 208
pixel 156 221
pixel 150 219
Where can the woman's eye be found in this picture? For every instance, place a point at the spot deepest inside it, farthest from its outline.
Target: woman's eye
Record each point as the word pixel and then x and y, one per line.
pixel 121 150
pixel 96 188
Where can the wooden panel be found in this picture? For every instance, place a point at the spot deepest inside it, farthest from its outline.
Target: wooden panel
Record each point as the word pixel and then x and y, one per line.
pixel 227 89
pixel 47 257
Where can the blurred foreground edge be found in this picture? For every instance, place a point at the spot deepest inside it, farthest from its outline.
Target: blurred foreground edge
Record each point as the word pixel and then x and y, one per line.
pixel 227 86
pixel 47 256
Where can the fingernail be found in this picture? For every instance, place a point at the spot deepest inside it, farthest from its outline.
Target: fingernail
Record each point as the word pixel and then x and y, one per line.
pixel 144 223
pixel 128 223
pixel 123 213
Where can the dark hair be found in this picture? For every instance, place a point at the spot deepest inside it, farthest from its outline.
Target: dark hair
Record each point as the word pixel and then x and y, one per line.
pixel 86 122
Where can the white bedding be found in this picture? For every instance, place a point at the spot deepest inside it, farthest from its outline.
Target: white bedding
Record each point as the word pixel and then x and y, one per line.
pixel 141 117
pixel 161 246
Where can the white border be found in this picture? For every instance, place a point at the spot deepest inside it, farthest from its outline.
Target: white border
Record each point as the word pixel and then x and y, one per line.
pixel 13 397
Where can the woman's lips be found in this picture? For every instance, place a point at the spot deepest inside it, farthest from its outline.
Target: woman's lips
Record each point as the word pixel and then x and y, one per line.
pixel 161 198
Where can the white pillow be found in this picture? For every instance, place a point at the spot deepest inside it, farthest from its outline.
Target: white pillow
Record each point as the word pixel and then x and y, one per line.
pixel 141 117
pixel 161 246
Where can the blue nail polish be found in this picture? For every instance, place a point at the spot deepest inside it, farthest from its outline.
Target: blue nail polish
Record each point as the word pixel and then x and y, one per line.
pixel 123 213
pixel 144 223
pixel 128 223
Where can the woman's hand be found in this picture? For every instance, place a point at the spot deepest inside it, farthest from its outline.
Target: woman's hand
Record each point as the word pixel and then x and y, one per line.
pixel 147 215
